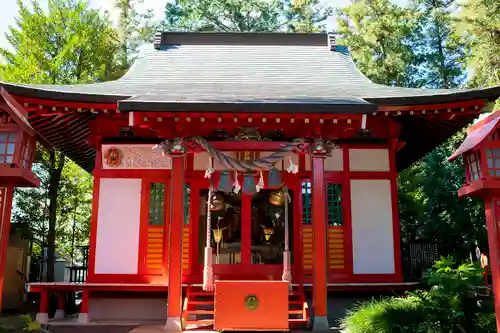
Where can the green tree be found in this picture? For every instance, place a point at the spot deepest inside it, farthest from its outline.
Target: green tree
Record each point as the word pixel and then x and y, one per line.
pixel 381 38
pixel 69 43
pixel 440 49
pixel 134 28
pixel 479 24
pixel 245 15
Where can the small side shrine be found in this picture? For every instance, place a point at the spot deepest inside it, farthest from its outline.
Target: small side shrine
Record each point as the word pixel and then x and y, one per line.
pixel 17 149
pixel 481 157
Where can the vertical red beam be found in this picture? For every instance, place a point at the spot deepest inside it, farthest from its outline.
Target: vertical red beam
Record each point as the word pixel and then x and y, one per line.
pixel 94 217
pixel 396 228
pixel 174 244
pixel 83 316
pixel 319 237
pixel 492 211
pixel 246 229
pixel 6 197
pixel 347 210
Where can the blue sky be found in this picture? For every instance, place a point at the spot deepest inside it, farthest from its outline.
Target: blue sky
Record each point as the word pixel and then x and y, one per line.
pixel 9 11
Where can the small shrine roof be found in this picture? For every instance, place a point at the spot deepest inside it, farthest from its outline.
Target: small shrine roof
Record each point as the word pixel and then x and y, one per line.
pixel 261 72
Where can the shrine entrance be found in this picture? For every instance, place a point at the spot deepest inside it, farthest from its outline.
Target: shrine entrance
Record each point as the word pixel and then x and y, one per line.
pixel 247 233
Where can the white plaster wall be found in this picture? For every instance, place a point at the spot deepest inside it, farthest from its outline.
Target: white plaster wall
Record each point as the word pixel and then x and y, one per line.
pixel 202 161
pixel 334 162
pixel 369 159
pixel 372 231
pixel 118 225
pixel 139 309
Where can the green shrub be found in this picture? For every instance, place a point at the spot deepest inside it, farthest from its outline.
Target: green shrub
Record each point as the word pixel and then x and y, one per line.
pixel 390 315
pixel 15 324
pixel 454 303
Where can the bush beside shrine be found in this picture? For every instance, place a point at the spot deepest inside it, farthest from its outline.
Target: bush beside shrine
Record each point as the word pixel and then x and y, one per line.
pixel 456 301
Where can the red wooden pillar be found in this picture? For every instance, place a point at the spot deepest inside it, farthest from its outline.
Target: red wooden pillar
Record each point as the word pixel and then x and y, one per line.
pixel 83 316
pixel 246 229
pixel 492 211
pixel 61 300
pixel 319 237
pixel 6 197
pixel 42 317
pixel 174 306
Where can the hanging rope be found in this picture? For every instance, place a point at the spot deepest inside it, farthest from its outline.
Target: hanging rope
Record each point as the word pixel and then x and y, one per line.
pixel 208 275
pixel 231 163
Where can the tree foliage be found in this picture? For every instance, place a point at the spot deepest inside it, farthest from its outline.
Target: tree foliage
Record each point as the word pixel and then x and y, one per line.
pixel 245 15
pixel 381 36
pixel 134 29
pixel 479 24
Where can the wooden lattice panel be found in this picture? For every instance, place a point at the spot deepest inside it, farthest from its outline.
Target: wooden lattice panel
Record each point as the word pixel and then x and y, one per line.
pixel 336 259
pixel 185 247
pixel 155 253
pixel 307 247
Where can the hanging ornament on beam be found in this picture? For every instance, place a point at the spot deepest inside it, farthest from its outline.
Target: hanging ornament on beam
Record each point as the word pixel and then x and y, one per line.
pixel 225 182
pixel 236 184
pixel 260 184
pixel 274 177
pixel 249 186
pixel 292 167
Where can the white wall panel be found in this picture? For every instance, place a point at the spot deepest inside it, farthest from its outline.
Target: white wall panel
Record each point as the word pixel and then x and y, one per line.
pixel 369 159
pixel 372 227
pixel 118 226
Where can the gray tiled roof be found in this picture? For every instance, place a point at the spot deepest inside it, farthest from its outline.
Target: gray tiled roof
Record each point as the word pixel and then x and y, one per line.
pixel 228 73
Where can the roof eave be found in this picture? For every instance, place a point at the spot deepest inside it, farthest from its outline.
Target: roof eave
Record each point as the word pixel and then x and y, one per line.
pixel 247 107
pixel 488 94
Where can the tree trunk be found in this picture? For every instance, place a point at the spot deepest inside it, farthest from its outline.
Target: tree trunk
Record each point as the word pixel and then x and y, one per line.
pixel 57 160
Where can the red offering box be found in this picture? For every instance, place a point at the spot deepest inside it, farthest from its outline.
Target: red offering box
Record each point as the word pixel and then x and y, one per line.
pixel 251 306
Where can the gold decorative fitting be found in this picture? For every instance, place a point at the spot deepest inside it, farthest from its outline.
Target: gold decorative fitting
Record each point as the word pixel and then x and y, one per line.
pixel 202 119
pixel 54 108
pixel 278 120
pixel 386 113
pixel 321 121
pixel 66 109
pixel 306 120
pixel 250 120
pixel 26 104
pixel 145 118
pixel 251 302
pixel 277 198
pixel 159 119
pixel 219 120
pixel 349 121
pixel 411 112
pixel 40 107
pixel 292 120
pixel 79 109
pixel 399 113
pixel 335 121
pixel 264 120
pixel 424 111
pixel 113 156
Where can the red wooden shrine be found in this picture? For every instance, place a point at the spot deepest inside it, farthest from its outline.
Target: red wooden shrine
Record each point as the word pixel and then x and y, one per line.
pixel 224 105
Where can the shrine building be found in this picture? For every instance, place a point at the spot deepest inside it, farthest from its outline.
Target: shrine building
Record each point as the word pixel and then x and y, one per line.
pixel 238 167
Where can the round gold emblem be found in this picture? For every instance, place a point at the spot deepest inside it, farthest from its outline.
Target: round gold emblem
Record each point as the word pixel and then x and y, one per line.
pixel 251 302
